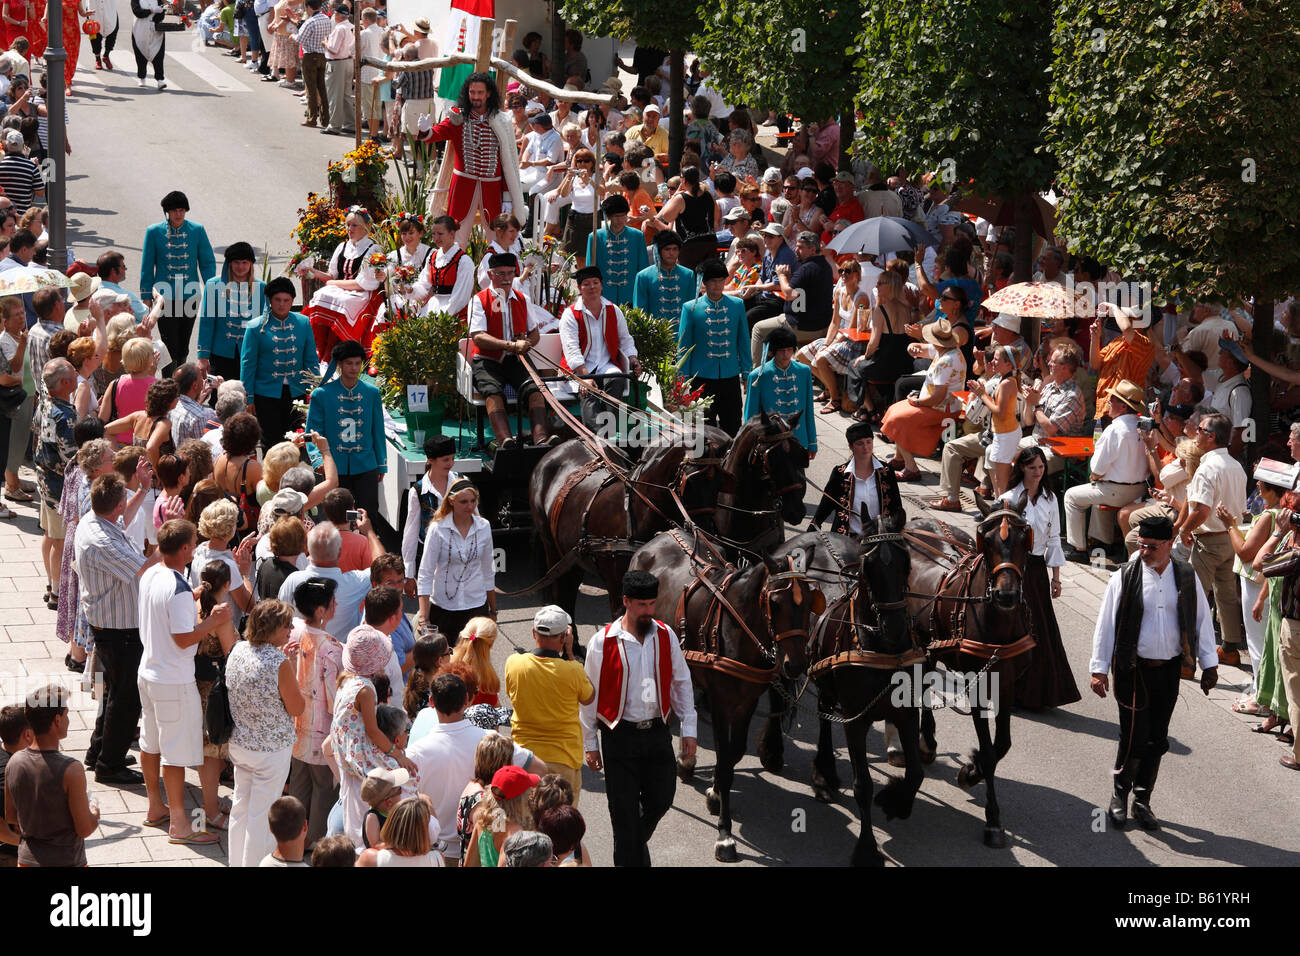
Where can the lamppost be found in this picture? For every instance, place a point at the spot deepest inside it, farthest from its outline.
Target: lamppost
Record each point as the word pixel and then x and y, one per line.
pixel 54 169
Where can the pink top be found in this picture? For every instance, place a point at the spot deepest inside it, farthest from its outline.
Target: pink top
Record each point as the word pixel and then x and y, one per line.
pixel 166 508
pixel 317 659
pixel 128 398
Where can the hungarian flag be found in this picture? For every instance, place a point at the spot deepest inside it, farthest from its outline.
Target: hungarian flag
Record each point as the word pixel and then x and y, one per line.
pixel 463 21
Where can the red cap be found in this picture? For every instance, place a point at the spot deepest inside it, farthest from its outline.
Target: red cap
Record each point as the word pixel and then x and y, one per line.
pixel 512 781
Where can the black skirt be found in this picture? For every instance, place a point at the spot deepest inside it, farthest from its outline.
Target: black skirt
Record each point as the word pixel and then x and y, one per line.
pixel 451 623
pixel 1047 680
pixel 888 363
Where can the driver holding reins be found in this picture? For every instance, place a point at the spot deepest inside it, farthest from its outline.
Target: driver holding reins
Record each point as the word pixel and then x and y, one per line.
pixel 862 481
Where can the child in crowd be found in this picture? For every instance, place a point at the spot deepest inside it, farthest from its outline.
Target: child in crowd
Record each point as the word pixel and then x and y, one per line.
pixel 174 475
pixel 430 653
pixel 140 529
pixel 475 648
pixel 288 821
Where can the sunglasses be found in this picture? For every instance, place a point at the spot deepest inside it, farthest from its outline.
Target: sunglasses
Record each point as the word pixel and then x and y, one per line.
pixel 949 298
pixel 1203 430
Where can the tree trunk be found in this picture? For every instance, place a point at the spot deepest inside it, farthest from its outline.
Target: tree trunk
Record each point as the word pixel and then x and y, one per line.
pixel 676 106
pixel 558 27
pixel 1261 334
pixel 1023 253
pixel 848 128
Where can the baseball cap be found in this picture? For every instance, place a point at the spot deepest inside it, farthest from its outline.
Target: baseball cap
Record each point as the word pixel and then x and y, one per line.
pixel 513 781
pixel 773 229
pixel 736 213
pixel 771 175
pixel 287 501
pixel 804 173
pixel 13 139
pixel 845 177
pixel 651 107
pixel 381 782
pixel 1232 348
pixel 551 621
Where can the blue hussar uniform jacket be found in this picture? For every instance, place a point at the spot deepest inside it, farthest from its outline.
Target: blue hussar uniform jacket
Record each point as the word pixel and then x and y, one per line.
pixel 717 336
pixel 275 353
pixel 353 421
pixel 227 309
pixel 620 258
pixel 663 294
pixel 789 391
pixel 185 254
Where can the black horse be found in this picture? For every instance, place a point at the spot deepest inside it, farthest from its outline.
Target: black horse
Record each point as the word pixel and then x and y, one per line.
pixel 860 646
pixel 768 464
pixel 739 628
pixel 970 615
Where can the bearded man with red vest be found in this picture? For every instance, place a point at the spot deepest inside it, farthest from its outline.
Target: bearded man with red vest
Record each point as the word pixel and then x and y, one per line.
pixel 447 282
pixel 482 159
pixel 641 679
pixel 503 328
pixel 596 342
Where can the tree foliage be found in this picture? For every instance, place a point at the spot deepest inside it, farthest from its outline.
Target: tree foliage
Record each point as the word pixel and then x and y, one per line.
pixel 666 26
pixel 959 87
pixel 794 56
pixel 1176 125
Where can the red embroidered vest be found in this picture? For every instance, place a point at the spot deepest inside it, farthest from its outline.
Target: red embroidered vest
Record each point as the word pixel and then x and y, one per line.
pixel 442 281
pixel 495 326
pixel 611 334
pixel 611 696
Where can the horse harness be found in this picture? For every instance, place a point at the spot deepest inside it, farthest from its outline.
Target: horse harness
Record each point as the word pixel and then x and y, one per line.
pixel 710 628
pixel 856 655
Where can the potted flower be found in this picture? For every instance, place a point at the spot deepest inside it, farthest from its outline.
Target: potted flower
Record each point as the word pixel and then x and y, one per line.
pixel 321 227
pixel 358 178
pixel 418 349
pixel 656 347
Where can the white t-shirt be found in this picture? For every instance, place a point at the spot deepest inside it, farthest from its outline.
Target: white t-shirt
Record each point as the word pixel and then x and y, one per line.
pixel 141 529
pixel 166 608
pixel 203 556
pixel 444 757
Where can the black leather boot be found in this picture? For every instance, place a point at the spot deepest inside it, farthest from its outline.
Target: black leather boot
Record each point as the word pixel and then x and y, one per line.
pixel 1144 783
pixel 1118 809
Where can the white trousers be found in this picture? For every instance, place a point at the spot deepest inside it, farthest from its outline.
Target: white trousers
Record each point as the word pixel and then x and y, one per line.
pixel 259 782
pixel 1255 630
pixel 1079 501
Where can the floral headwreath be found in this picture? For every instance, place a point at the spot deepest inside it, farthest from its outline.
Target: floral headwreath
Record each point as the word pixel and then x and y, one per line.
pixel 404 217
pixel 361 211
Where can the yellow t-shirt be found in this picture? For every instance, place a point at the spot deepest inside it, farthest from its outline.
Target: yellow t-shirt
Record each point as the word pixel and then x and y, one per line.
pixel 545 692
pixel 657 141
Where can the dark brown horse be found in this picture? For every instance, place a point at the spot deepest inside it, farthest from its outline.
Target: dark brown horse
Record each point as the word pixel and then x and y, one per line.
pixel 581 509
pixel 863 648
pixel 969 613
pixel 739 629
pixel 768 464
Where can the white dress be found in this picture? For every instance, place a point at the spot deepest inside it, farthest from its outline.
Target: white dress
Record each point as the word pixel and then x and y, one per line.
pixel 347 303
pixel 419 259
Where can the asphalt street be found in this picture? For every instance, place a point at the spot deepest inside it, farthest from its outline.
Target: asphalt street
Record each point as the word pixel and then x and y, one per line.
pixel 234 145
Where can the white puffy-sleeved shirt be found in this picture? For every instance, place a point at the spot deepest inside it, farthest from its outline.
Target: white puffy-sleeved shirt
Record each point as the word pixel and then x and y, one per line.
pixel 1045 518
pixel 639 656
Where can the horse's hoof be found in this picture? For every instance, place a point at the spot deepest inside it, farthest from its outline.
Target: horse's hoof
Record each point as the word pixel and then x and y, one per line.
pixel 825 793
pixel 772 763
pixel 964 776
pixel 712 801
pixel 685 770
pixel 870 857
pixel 724 851
pixel 995 838
pixel 896 758
pixel 928 755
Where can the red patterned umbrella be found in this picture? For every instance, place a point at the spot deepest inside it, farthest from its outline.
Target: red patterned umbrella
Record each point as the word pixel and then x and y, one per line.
pixel 1039 300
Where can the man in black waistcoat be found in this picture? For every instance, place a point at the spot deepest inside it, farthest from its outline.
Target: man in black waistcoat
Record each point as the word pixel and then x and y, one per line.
pixel 1153 617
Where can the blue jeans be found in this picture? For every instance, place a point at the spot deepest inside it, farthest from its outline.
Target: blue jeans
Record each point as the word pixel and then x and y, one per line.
pixel 251 28
pixel 335 825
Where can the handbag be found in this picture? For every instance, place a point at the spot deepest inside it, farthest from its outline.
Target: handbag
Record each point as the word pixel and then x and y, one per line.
pixel 220 723
pixel 1282 564
pixel 12 398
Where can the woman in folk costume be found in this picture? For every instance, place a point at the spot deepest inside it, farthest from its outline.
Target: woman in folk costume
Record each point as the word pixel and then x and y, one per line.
pixel 147 40
pixel 15 21
pixel 412 252
pixel 345 306
pixel 482 163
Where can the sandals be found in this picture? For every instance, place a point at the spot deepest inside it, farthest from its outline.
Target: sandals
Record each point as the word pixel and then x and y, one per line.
pixel 159 822
pixel 1269 726
pixel 1246 705
pixel 862 415
pixel 830 408
pixel 17 494
pixel 220 822
pixel 199 838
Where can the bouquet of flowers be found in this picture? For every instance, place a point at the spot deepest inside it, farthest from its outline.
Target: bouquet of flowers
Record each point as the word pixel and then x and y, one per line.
pixel 321 227
pixel 416 350
pixel 679 398
pixel 377 260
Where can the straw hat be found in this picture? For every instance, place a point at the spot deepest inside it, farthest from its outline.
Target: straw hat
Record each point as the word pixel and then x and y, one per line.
pixel 1131 395
pixel 940 335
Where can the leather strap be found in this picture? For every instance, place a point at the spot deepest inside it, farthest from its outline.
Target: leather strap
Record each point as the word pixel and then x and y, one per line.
pixel 871 659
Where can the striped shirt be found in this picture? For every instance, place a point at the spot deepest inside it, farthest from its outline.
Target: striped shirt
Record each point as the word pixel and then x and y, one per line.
pixel 21 180
pixel 189 420
pixel 313 33
pixel 415 85
pixel 38 350
pixel 108 567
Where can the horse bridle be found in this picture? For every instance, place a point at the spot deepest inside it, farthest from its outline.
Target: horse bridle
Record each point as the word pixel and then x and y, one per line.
pixel 692 468
pixel 1014 517
pixel 868 546
pixel 764 445
pixel 765 598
